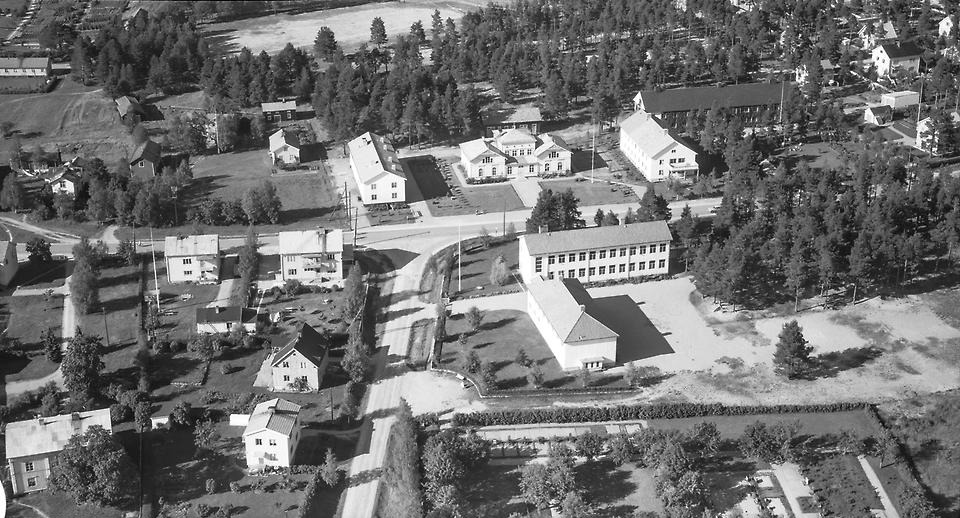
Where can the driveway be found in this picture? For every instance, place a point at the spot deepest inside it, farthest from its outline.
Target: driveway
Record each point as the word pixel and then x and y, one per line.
pixel 888 509
pixel 528 189
pixel 794 487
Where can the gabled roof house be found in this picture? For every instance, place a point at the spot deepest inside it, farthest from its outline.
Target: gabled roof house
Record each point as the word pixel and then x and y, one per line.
pixel 304 358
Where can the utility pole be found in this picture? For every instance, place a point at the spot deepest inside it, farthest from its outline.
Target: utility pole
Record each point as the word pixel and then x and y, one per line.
pixel 106 328
pixel 153 252
pixel 356 222
pixel 459 265
pixel 331 400
pixel 593 154
pixel 504 232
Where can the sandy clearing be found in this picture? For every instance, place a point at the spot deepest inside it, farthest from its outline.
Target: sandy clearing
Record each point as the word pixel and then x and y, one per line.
pixel 351 25
pixel 431 392
pixel 821 330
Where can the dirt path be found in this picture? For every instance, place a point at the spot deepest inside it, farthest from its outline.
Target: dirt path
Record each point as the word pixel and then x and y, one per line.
pixel 28 506
pixel 49 95
pixel 888 508
pixel 52 235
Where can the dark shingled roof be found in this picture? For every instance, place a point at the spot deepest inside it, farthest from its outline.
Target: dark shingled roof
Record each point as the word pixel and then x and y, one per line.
pixel 703 97
pixel 149 151
pixel 308 342
pixel 902 50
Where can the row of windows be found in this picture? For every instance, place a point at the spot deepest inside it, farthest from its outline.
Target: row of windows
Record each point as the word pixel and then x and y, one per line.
pixel 373 186
pixel 614 268
pixel 393 196
pixel 286 365
pixel 259 442
pixel 323 256
pixel 593 254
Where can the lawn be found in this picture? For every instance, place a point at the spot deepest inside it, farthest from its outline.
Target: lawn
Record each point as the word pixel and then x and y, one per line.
pixel 448 197
pixel 494 490
pixel 501 334
pixel 812 424
pixel 310 199
pixel 477 262
pixel 617 491
pixel 595 193
pixel 58 504
pixel 180 302
pixel 42 275
pixel 25 318
pixel 120 302
pixel 841 486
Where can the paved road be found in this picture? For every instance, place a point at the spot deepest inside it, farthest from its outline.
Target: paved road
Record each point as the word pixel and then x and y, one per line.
pixel 888 507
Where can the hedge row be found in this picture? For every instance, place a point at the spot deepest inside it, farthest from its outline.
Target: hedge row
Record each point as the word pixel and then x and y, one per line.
pixel 629 413
pixel 629 280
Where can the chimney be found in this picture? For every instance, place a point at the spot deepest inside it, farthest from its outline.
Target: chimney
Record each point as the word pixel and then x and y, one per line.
pixel 219 310
pixel 583 308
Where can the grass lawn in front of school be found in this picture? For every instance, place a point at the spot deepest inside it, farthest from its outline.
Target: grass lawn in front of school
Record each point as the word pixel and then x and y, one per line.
pixel 592 193
pixel 501 334
pixel 443 199
pixel 477 262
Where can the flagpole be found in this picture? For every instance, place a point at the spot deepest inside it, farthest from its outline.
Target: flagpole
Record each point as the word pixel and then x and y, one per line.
pixel 459 265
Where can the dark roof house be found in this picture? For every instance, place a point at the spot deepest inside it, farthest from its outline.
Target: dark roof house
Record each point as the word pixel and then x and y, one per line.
pixel 149 151
pixel 308 342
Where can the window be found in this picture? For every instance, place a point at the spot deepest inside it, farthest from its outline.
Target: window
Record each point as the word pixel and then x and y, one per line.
pixel 554 154
pixel 258 442
pixel 487 160
pixel 653 264
pixel 633 266
pixel 272 442
pixel 593 271
pixel 493 170
pixel 188 261
pixel 581 272
pixel 32 482
pixel 633 250
pixel 393 195
pixel 593 255
pixel 572 258
pixel 661 162
pixel 623 252
pixel 623 268
pixel 551 259
pixel 303 365
pixel 663 263
pixel 561 258
pixel 583 256
pixel 550 275
pixel 140 164
pixel 546 166
pixel 570 273
pixel 286 365
pixel 513 153
pixel 538 264
pixel 373 187
pixel 643 249
pixel 560 274
pixel 681 160
pixel 286 378
pixel 393 185
pixel 28 466
pixel 663 247
pixel 603 270
pixel 533 168
pixel 509 170
pixel 292 271
pixel 613 252
pixel 642 266
pixel 603 254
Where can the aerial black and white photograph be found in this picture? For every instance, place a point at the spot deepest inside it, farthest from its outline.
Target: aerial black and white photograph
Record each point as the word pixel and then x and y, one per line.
pixel 480 259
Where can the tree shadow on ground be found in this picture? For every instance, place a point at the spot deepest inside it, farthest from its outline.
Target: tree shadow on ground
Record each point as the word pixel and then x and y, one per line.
pixel 607 484
pixel 489 326
pixel 830 364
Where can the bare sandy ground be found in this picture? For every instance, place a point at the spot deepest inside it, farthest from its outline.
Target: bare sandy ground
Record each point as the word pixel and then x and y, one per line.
pixel 351 25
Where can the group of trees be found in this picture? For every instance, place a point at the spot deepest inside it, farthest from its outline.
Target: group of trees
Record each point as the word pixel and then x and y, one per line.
pixel 555 211
pixel 448 458
pixel 874 222
pixel 247 80
pixel 401 468
pixel 85 280
pixel 259 205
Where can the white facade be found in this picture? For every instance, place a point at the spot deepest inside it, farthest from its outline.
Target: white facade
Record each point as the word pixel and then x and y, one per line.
pixel 886 63
pixel 377 171
pixel 946 25
pixel 192 258
pixel 10 264
pixel 284 148
pixel 515 153
pixel 597 253
pixel 653 150
pixel 576 338
pixel 285 371
pixel 24 67
pixel 311 255
pixel 272 434
pixel 880 116
pixel 897 100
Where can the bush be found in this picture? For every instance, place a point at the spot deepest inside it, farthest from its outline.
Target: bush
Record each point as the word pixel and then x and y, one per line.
pixel 204 510
pixel 226 368
pixel 120 413
pixel 635 412
pixel 211 486
pixel 235 487
pixel 225 511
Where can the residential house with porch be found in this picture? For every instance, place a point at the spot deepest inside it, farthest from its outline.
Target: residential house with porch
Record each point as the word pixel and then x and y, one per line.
pixel 194 258
pixel 311 255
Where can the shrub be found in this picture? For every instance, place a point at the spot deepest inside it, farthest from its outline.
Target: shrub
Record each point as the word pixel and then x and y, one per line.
pixel 211 486
pixel 235 487
pixel 226 368
pixel 225 511
pixel 120 413
pixel 204 510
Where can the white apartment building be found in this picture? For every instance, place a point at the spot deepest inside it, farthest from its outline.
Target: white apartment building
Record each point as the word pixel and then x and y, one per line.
pixel 654 149
pixel 377 170
pixel 192 258
pixel 308 255
pixel 597 253
pixel 514 153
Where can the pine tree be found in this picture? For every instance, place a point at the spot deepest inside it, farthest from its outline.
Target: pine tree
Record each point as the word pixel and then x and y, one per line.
pixel 792 357
pixel 378 32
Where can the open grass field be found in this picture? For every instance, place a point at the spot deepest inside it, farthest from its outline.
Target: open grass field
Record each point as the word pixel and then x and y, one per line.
pixel 26 317
pixel 71 115
pixel 57 504
pixel 350 24
pixel 120 299
pixel 443 198
pixel 477 262
pixel 812 424
pixel 596 193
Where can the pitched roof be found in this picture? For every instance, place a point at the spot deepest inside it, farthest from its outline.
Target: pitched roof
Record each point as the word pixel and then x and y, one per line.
pixel 4 247
pixel 703 97
pixel 477 147
pixel 217 315
pixel 512 115
pixel 597 237
pixel 278 106
pixel 308 342
pixel 649 134
pixel 51 434
pixel 515 136
pixel 373 155
pixel 204 244
pixel 881 110
pixel 901 93
pixel 548 141
pixel 901 50
pixel 148 150
pixel 278 415
pixel 22 62
pixel 320 241
pixel 282 137
pixel 126 104
pixel 567 307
